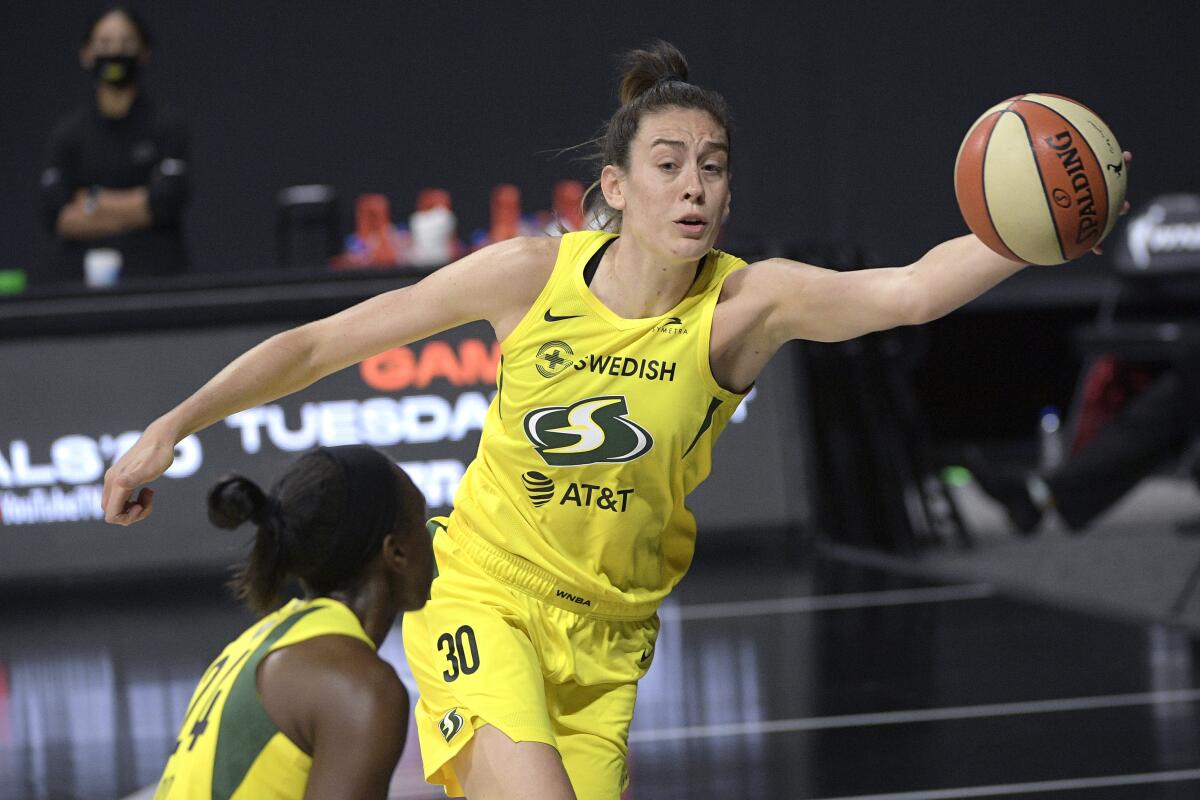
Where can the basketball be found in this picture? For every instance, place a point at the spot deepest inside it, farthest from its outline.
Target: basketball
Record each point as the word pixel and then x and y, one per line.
pixel 1040 178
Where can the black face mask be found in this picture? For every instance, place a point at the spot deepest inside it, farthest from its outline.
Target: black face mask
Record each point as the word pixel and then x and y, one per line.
pixel 116 70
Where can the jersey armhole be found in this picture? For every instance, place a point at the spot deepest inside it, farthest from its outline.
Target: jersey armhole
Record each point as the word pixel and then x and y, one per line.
pixel 703 352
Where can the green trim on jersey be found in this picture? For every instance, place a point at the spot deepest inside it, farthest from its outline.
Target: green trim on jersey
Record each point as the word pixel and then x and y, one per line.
pixel 708 418
pixel 245 727
pixel 500 382
pixel 434 526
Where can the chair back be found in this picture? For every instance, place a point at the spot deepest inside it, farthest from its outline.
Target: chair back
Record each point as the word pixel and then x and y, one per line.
pixel 1162 239
pixel 306 226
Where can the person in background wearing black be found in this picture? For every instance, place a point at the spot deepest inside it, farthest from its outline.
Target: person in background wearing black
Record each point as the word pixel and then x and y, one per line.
pixel 1157 425
pixel 116 170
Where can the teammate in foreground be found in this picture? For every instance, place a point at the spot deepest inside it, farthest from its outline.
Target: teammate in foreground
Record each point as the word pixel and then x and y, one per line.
pixel 300 705
pixel 625 351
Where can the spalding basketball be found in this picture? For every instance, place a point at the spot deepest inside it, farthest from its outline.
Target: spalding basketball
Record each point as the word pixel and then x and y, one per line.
pixel 1040 179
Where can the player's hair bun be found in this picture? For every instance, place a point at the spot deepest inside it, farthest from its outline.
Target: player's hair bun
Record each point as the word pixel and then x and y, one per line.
pixel 642 70
pixel 235 500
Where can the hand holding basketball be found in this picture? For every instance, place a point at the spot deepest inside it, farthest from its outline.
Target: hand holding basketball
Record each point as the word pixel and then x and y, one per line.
pixel 1040 179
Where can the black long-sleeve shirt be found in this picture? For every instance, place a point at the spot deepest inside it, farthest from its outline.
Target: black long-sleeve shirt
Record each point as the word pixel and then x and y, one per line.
pixel 147 147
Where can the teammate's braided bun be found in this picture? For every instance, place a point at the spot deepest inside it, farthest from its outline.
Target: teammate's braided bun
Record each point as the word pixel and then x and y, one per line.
pixel 323 521
pixel 1040 178
pixel 235 500
pixel 652 79
pixel 259 580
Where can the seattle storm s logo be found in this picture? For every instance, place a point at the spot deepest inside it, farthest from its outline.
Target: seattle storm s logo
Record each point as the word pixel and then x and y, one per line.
pixel 591 431
pixel 450 724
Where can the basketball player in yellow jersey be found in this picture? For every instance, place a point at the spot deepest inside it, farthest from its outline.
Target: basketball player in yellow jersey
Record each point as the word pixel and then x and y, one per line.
pixel 300 705
pixel 623 356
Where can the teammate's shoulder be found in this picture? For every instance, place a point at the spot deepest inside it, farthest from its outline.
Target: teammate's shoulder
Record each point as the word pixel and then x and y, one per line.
pixel 333 681
pixel 349 671
pixel 378 680
pixel 332 659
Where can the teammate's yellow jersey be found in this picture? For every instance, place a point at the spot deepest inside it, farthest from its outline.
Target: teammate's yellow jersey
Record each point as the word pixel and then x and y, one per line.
pixel 600 428
pixel 228 747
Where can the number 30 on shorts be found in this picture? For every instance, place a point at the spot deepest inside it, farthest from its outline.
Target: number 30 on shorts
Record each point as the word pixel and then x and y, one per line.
pixel 461 651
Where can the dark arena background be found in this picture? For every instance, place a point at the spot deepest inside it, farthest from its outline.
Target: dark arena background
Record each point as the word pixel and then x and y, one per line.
pixel 861 621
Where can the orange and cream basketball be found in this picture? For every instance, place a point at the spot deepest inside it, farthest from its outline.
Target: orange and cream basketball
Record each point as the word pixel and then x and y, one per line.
pixel 1040 179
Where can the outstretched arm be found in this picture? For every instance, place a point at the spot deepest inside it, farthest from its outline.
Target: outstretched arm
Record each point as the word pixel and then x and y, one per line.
pixel 777 300
pixel 827 305
pixel 497 283
pixel 774 301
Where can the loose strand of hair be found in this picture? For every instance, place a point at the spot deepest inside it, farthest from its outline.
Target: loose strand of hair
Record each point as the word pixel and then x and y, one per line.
pixel 260 579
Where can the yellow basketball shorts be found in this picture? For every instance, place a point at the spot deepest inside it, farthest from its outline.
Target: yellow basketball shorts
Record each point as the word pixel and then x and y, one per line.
pixel 498 645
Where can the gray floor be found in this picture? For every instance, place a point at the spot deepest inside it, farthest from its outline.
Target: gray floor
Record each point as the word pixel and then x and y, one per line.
pixel 771 680
pixel 1132 562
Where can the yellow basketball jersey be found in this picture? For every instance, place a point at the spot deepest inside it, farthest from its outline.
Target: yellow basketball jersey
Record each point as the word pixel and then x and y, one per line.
pixel 600 428
pixel 228 747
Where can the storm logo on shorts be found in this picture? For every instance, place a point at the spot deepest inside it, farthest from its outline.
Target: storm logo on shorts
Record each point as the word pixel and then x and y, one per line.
pixel 450 724
pixel 591 431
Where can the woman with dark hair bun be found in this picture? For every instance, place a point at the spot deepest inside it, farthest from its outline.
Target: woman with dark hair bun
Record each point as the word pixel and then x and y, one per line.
pixel 300 705
pixel 626 350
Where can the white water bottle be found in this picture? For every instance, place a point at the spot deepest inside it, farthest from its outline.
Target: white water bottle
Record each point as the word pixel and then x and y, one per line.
pixel 432 237
pixel 102 267
pixel 1050 440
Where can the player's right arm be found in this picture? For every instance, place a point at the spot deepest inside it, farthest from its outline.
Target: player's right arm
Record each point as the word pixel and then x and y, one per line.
pixel 497 284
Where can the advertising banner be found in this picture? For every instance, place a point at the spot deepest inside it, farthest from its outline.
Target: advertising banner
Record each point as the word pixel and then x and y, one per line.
pixel 73 405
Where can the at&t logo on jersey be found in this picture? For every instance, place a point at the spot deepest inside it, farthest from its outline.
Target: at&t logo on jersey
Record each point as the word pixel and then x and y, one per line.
pixel 587 495
pixel 539 487
pixel 591 431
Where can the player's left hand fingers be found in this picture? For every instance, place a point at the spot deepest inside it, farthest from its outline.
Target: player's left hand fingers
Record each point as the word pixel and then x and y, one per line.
pixel 146 501
pixel 1128 156
pixel 136 510
pixel 1128 159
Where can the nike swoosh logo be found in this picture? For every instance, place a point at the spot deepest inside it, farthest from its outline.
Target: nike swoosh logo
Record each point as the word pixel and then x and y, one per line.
pixel 552 318
pixel 645 655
